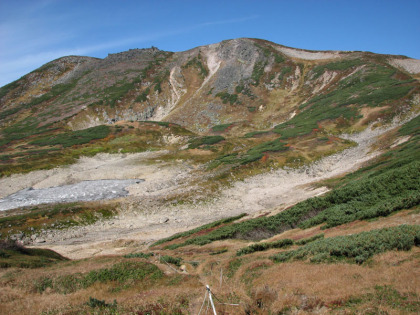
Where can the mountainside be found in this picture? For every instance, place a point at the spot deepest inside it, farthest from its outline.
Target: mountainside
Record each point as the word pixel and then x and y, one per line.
pixel 286 179
pixel 237 80
pixel 241 87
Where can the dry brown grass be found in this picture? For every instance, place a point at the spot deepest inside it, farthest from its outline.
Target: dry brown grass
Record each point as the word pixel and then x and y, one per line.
pixel 254 281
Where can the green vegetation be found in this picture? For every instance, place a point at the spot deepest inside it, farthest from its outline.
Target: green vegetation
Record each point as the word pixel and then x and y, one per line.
pixel 226 97
pixel 4 90
pixel 139 255
pixel 197 63
pixel 239 89
pixel 10 112
pixel 55 91
pixel 258 72
pixel 378 193
pixel 411 128
pixel 206 140
pixel 143 96
pixel 336 66
pixel 23 129
pixel 116 92
pixel 122 273
pixel 369 198
pixel 222 127
pixel 120 139
pixel 255 133
pixel 263 246
pixel 371 86
pixel 59 216
pixel 199 229
pixel 224 250
pixel 233 267
pixel 387 295
pixel 279 58
pixel 284 71
pixel 253 154
pixel 159 80
pixel 171 260
pixel 305 241
pixel 13 254
pixel 72 138
pixel 93 303
pixel 356 248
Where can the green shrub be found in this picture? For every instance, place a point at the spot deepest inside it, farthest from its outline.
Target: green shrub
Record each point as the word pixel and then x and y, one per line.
pixel 357 247
pixel 78 137
pixel 219 252
pixel 143 95
pixel 263 246
pixel 335 66
pixel 258 72
pixel 253 154
pixel 159 80
pixel 221 128
pixel 55 91
pixel 206 140
pixel 305 241
pixel 226 97
pixel 284 71
pixel 121 272
pixel 197 63
pixel 100 303
pixel 139 255
pixel 371 86
pixel 201 228
pixel 171 260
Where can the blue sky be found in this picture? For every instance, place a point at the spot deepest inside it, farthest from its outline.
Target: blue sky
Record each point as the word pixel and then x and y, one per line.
pixel 33 32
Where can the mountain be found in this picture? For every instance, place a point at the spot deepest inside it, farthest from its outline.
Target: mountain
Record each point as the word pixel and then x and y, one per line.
pixel 285 179
pixel 243 87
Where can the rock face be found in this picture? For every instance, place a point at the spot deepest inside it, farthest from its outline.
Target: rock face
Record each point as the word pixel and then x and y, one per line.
pixel 199 88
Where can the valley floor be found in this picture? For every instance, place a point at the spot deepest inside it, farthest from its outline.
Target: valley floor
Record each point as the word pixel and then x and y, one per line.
pixel 145 216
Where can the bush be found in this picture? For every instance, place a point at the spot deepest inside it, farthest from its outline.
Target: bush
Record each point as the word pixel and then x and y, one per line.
pixel 100 303
pixel 305 241
pixel 201 228
pixel 355 248
pixel 221 128
pixel 171 260
pixel 78 137
pixel 139 255
pixel 253 154
pixel 226 97
pixel 125 272
pixel 258 247
pixel 206 140
pixel 371 86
